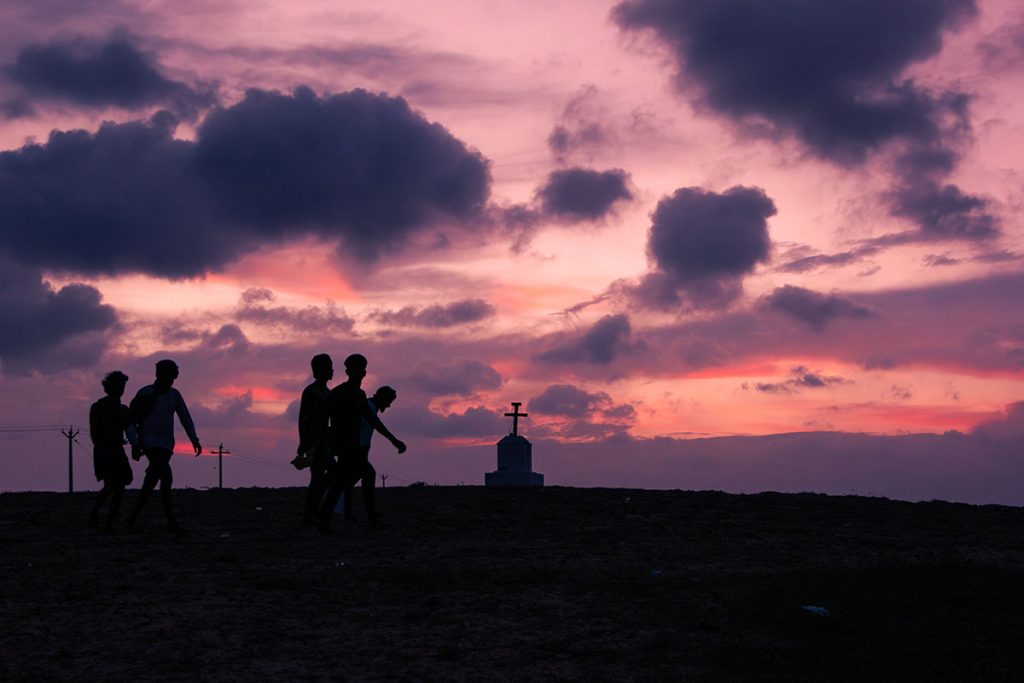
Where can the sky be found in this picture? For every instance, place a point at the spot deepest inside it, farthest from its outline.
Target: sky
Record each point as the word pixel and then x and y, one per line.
pixel 733 245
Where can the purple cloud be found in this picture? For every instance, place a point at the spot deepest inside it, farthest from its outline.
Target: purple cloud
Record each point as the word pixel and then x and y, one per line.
pixel 363 169
pixel 462 378
pixel 473 422
pixel 436 316
pixel 600 345
pixel 114 72
pixel 801 378
pixel 588 415
pixel 832 76
pixel 811 307
pixel 48 330
pixel 701 244
pixel 565 400
pixel 580 194
pixel 315 320
pixel 828 73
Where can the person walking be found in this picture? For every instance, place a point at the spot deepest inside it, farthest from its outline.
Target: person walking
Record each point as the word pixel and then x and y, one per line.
pixel 109 423
pixel 347 407
pixel 378 403
pixel 313 451
pixel 153 410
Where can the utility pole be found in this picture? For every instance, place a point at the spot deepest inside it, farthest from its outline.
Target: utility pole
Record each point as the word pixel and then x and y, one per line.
pixel 383 481
pixel 70 435
pixel 220 465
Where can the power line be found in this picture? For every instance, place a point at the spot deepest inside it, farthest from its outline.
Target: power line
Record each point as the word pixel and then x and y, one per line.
pixel 31 428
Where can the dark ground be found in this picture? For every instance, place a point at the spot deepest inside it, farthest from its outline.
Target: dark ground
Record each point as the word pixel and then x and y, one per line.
pixel 467 583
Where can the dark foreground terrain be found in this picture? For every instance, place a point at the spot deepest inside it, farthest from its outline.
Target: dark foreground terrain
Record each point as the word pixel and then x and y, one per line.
pixel 467 583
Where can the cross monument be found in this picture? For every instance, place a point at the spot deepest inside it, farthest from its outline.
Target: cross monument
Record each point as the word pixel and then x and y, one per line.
pixel 515 458
pixel 515 415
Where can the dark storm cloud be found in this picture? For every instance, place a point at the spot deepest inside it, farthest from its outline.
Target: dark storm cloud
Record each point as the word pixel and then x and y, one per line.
pixel 436 316
pixel 47 330
pixel 831 75
pixel 462 378
pixel 588 415
pixel 361 168
pixel 228 339
pixel 801 378
pixel 565 400
pixel 827 72
pixel 696 234
pixel 811 307
pixel 600 345
pixel 701 244
pixel 256 306
pixel 125 198
pixel 581 194
pixel 101 74
pixel 944 210
pixel 421 421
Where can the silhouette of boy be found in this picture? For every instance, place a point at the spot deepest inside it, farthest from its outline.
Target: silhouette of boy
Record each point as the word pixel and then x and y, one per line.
pixel 347 407
pixel 109 422
pixel 313 451
pixel 153 410
pixel 379 402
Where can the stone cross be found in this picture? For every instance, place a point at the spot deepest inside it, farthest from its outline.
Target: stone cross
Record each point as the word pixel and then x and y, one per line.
pixel 515 415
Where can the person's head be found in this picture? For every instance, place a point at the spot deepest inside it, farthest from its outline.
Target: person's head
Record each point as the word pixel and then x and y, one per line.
pixel 355 366
pixel 114 383
pixel 384 397
pixel 323 367
pixel 166 372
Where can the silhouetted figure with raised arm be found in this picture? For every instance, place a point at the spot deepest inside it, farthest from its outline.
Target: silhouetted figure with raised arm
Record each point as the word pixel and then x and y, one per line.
pixel 153 410
pixel 109 423
pixel 313 451
pixel 347 408
pixel 379 402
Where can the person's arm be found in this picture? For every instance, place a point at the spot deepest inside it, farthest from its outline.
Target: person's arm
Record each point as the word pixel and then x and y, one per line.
pixel 370 416
pixel 186 421
pixel 130 430
pixel 95 426
pixel 305 415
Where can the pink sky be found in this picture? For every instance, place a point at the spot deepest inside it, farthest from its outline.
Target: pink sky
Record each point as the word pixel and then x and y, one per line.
pixel 650 221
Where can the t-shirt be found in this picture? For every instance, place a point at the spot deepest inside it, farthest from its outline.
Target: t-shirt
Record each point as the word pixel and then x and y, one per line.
pixel 156 430
pixel 346 406
pixel 108 422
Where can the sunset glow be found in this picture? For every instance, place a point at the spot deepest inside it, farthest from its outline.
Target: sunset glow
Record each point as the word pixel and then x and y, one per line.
pixel 644 222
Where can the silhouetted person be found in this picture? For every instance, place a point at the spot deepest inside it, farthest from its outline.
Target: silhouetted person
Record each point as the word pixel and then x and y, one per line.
pixel 379 402
pixel 346 409
pixel 109 422
pixel 153 410
pixel 313 451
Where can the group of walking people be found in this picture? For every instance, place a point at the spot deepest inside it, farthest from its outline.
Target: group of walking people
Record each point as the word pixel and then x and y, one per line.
pixel 335 429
